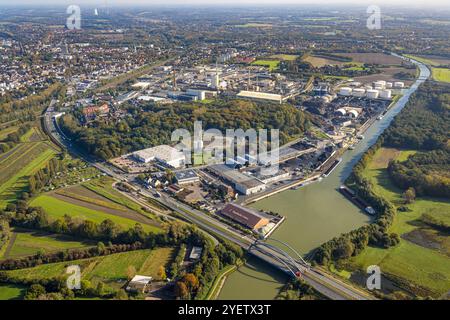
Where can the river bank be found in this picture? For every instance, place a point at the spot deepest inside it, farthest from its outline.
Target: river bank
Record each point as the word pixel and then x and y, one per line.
pixel 314 213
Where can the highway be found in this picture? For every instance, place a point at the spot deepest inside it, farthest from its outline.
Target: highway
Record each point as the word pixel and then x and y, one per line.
pixel 324 283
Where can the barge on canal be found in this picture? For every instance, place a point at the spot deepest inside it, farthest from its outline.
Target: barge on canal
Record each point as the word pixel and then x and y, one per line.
pixel 353 197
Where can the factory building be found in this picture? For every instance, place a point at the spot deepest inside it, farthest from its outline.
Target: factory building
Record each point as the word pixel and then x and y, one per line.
pixel 254 95
pixel 245 216
pixel 321 90
pixel 200 94
pixel 182 96
pixel 164 154
pixel 242 183
pixel 186 177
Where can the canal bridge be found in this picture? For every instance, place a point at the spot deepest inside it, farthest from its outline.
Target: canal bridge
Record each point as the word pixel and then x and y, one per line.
pixel 288 260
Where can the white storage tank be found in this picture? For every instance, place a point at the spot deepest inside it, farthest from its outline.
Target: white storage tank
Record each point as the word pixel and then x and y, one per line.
pixel 359 92
pixel 353 113
pixel 373 94
pixel 386 94
pixel 399 84
pixel 341 112
pixel 345 91
pixel 389 85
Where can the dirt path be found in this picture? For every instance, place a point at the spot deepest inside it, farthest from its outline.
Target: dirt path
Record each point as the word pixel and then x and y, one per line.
pixel 10 245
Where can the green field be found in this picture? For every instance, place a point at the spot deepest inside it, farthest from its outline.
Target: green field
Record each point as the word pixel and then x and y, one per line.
pixel 418 265
pixel 422 59
pixel 103 187
pixel 111 269
pixel 11 292
pixel 26 159
pixel 5 132
pixel 354 66
pixel 57 208
pixel 441 74
pixel 271 64
pixel 27 242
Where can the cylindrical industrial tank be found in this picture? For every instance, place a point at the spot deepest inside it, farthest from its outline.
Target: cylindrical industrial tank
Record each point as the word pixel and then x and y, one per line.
pixel 386 94
pixel 345 91
pixel 373 94
pixel 353 113
pixel 399 84
pixel 359 92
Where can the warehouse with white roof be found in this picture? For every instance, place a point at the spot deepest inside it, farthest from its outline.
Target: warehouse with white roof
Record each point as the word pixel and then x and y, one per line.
pixel 165 154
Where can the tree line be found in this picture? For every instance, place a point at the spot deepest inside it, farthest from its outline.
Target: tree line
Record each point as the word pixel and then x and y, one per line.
pixel 151 125
pixel 429 131
pixel 42 177
pixel 213 258
pixel 28 108
pixel 424 126
pixel 13 138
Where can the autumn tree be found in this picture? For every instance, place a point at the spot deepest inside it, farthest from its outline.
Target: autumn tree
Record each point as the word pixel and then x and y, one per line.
pixel 131 272
pixel 181 291
pixel 409 195
pixel 162 273
pixel 191 281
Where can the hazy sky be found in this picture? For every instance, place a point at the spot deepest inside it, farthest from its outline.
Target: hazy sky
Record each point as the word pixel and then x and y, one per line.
pixel 424 3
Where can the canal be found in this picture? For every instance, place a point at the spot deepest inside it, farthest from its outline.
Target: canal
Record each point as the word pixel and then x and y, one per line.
pixel 314 214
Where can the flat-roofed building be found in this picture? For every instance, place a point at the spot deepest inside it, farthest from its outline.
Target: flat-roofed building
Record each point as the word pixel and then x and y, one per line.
pixel 196 253
pixel 186 177
pixel 139 284
pixel 242 183
pixel 256 95
pixel 164 154
pixel 244 216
